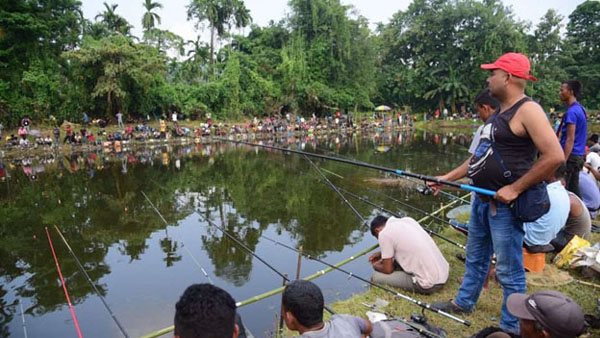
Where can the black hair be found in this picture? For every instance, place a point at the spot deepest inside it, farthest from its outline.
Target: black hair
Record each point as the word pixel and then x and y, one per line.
pixel 305 301
pixel 574 86
pixel 377 222
pixel 485 97
pixel 205 311
pixel 593 138
pixel 561 171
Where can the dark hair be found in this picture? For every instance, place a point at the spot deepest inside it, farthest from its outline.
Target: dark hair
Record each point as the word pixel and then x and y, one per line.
pixel 485 97
pixel 305 301
pixel 593 138
pixel 574 86
pixel 377 222
pixel 561 171
pixel 205 311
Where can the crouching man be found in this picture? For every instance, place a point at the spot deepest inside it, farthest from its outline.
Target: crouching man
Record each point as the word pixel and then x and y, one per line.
pixel 409 258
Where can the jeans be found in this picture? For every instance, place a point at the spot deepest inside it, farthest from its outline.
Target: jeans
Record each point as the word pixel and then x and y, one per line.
pixel 502 234
pixel 574 166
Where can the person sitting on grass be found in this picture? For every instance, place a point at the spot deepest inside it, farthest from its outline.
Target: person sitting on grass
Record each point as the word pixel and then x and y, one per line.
pixel 409 258
pixel 303 312
pixel 207 311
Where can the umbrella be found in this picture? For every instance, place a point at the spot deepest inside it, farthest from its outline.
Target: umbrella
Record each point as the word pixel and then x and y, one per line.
pixel 382 108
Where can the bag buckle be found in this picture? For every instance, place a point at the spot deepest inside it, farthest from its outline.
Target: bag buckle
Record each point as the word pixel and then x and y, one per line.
pixel 507 174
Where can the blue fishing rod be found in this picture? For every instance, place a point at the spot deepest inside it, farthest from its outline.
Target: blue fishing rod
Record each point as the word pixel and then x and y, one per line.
pixel 399 172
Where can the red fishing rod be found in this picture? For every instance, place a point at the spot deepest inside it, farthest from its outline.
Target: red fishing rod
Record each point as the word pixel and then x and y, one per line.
pixel 64 286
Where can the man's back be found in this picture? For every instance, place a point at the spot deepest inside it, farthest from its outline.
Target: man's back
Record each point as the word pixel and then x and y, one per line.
pixel 339 326
pixel 545 228
pixel 414 250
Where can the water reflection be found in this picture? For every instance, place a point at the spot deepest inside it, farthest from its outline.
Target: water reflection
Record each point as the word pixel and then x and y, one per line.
pixel 95 199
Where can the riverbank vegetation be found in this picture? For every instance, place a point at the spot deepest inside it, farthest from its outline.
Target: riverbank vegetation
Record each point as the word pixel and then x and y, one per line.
pixel 323 56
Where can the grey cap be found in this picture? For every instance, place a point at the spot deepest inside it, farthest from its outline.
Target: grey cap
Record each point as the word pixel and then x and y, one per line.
pixel 558 314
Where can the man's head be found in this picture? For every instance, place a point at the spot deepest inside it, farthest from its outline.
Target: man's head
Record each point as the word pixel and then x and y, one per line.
pixel 558 174
pixel 486 104
pixel 205 311
pixel 569 90
pixel 377 224
pixel 302 305
pixel 592 140
pixel 509 75
pixel 547 314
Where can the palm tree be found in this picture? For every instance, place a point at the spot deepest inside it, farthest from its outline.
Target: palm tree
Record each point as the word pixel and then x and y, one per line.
pixel 221 15
pixel 149 18
pixel 112 20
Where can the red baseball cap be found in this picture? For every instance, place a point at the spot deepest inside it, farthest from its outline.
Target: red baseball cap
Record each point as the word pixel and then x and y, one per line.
pixel 516 64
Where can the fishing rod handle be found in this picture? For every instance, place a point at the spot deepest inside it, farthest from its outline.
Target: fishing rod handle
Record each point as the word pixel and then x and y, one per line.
pixel 478 190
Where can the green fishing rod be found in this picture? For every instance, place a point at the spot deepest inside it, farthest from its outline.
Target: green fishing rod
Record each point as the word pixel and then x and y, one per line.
pixel 89 280
pixel 423 305
pixel 400 172
pixel 242 245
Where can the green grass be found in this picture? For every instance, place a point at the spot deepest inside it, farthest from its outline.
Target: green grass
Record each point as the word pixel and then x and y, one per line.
pixel 487 312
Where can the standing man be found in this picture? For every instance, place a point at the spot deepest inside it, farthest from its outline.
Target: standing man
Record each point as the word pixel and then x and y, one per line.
pixel 573 132
pixel 120 120
pixel 518 131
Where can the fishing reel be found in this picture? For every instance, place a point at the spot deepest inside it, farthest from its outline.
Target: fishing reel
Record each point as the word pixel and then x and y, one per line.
pixel 425 189
pixel 418 318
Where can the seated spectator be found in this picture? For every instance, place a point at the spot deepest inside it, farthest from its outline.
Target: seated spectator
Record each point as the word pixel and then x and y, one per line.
pixel 409 258
pixel 207 311
pixel 579 223
pixel 590 194
pixel 547 314
pixel 592 143
pixel 545 228
pixel 303 312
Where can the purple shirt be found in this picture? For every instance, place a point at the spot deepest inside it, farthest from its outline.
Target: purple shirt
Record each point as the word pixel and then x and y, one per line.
pixel 575 115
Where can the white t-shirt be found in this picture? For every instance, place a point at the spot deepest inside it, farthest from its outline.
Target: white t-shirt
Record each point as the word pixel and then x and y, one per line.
pixel 414 250
pixel 476 138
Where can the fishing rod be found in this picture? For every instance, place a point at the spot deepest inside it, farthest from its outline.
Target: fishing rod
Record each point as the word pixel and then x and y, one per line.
pixel 424 190
pixel 372 166
pixel 242 245
pixel 431 232
pixel 362 219
pixel 423 305
pixel 422 330
pixel 64 286
pixel 80 266
pixel 23 319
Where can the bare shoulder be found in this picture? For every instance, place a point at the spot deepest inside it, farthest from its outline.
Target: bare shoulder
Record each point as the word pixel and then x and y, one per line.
pixel 531 111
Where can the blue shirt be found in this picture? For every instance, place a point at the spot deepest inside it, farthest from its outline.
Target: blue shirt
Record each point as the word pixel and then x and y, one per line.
pixel 575 115
pixel 590 194
pixel 545 228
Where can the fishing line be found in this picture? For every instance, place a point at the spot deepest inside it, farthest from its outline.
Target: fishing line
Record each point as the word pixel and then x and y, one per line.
pixel 468 187
pixel 91 282
pixel 362 219
pixel 64 286
pixel 242 245
pixel 350 274
pixel 23 319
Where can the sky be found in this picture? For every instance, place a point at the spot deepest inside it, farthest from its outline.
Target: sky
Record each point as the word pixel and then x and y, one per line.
pixel 174 18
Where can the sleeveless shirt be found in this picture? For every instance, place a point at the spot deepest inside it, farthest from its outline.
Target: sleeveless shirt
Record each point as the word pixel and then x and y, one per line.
pixel 518 153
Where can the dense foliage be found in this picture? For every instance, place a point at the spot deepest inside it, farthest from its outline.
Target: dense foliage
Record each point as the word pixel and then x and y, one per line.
pixel 321 57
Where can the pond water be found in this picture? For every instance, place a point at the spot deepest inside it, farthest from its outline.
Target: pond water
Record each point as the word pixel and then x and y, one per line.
pixel 142 266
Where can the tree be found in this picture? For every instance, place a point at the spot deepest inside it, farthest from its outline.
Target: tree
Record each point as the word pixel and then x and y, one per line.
pixel 113 22
pixel 221 15
pixel 149 18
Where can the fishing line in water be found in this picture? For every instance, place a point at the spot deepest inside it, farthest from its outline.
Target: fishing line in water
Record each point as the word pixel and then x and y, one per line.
pixel 240 244
pixel 87 277
pixel 64 286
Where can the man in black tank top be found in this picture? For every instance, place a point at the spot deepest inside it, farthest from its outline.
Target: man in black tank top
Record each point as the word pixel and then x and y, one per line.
pixel 518 131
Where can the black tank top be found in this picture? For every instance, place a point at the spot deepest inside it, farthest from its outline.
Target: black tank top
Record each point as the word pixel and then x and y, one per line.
pixel 518 153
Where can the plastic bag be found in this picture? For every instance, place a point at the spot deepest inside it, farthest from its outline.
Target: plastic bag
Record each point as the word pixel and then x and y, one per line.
pixel 587 257
pixel 568 252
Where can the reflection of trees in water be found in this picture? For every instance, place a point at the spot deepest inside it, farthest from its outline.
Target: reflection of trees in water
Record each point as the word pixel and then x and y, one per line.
pixel 7 313
pixel 169 247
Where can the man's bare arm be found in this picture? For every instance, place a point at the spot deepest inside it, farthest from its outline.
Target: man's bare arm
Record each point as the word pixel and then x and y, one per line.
pixel 536 125
pixel 570 140
pixel 454 175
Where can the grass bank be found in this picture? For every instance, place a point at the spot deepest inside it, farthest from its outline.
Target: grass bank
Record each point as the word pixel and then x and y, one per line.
pixel 488 308
pixel 444 126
